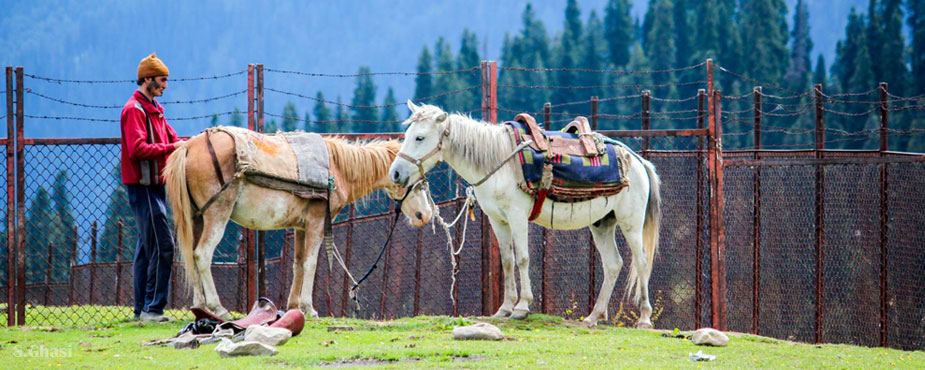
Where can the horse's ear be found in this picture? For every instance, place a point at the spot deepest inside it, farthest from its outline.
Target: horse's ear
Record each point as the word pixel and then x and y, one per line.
pixel 413 108
pixel 442 117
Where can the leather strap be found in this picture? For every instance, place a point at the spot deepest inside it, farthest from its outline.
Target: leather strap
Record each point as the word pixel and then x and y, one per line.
pixel 218 167
pixel 538 204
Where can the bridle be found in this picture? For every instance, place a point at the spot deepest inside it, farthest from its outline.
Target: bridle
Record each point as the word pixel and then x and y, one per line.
pixel 419 162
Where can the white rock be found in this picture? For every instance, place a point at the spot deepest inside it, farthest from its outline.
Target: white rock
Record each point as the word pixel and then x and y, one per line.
pixel 228 348
pixel 710 337
pixel 267 335
pixel 482 331
pixel 186 341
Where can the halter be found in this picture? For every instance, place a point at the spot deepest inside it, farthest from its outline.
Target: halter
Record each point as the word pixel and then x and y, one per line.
pixel 419 162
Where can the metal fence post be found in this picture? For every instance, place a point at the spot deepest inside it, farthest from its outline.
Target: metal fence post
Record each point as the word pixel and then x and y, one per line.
pixel 10 203
pixel 884 215
pixel 547 116
pixel 491 258
pixel 646 94
pixel 756 213
pixel 250 290
pixel 93 240
pixel 261 236
pixel 594 103
pixel 21 204
pixel 820 187
pixel 119 262
pixel 698 300
pixel 717 234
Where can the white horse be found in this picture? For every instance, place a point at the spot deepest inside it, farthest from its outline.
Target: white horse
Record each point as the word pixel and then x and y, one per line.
pixel 475 148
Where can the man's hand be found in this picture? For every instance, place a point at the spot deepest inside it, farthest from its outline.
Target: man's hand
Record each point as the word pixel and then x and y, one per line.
pixel 178 144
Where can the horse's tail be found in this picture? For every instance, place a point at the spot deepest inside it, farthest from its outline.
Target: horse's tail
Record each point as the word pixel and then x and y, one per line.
pixel 650 231
pixel 181 207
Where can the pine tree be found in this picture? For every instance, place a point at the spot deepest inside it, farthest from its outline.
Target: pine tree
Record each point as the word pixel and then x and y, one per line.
pixel 764 27
pixel 618 30
pixel 659 43
pixel 423 83
pixel 63 232
pixel 819 76
pixel 214 121
pixel 237 119
pixel 891 60
pixel 853 68
pixel 364 96
pixel 797 76
pixel 592 58
pixel 322 115
pixel 309 125
pixel 568 51
pixel 533 42
pixel 290 118
pixel 445 83
pixel 270 126
pixel 916 22
pixel 468 57
pixel 38 236
pixel 389 114
pixel 344 125
pixel 118 208
pixel 683 33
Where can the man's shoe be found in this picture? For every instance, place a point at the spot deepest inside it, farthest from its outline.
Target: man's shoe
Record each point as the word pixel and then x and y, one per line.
pixel 137 317
pixel 154 317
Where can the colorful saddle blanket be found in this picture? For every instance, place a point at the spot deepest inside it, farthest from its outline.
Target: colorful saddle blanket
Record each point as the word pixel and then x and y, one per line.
pixel 573 177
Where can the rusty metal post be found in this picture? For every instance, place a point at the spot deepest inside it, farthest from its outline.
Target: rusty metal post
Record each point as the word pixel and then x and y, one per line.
pixel 756 213
pixel 70 270
pixel 10 203
pixel 698 300
pixel 884 215
pixel 594 103
pixel 820 210
pixel 93 267
pixel 386 271
pixel 21 203
pixel 348 254
pixel 119 262
pixel 646 95
pixel 51 267
pixel 717 233
pixel 418 246
pixel 491 256
pixel 261 236
pixel 250 282
pixel 547 116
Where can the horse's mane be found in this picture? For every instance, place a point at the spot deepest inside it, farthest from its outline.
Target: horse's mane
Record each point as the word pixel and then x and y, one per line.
pixel 483 145
pixel 362 164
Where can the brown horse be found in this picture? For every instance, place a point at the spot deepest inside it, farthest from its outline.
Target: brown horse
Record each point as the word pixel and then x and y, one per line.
pixel 192 179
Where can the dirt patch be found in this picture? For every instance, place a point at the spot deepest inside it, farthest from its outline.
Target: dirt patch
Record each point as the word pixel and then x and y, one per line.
pixel 374 362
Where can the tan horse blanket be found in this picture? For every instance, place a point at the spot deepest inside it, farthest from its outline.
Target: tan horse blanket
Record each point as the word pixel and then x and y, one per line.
pixel 298 158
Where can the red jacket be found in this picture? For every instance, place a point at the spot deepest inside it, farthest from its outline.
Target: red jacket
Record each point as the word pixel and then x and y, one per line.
pixel 135 148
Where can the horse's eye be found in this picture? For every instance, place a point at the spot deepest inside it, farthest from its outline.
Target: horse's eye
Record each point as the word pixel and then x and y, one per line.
pixel 419 138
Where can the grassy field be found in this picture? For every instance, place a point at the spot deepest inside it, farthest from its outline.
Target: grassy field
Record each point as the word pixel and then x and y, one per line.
pixel 427 342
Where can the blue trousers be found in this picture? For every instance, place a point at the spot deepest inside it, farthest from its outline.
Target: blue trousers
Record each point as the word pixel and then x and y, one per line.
pixel 154 252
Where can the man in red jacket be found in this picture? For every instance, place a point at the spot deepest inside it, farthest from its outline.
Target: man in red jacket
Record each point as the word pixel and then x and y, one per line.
pixel 147 140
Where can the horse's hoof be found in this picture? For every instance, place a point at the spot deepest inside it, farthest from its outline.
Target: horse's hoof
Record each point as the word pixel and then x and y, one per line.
pixel 501 314
pixel 589 323
pixel 520 314
pixel 644 325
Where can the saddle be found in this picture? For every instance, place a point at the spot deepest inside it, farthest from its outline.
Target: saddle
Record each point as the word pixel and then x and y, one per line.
pixel 584 145
pixel 264 312
pixel 571 165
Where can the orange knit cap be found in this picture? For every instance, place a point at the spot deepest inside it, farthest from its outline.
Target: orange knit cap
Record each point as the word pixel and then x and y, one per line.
pixel 151 66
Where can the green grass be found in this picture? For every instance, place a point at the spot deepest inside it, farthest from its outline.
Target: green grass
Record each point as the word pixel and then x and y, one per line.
pixel 426 342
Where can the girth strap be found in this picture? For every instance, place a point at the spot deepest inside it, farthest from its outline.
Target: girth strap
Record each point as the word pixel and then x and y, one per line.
pixel 218 167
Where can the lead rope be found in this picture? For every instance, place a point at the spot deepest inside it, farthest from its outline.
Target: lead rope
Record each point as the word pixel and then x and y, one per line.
pixel 470 200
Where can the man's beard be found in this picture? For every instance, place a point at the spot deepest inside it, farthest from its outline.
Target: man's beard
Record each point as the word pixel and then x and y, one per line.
pixel 154 88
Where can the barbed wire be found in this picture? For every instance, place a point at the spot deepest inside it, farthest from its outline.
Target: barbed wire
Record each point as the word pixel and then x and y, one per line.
pixel 906 107
pixel 62 81
pixel 115 120
pixel 311 74
pixel 619 116
pixel 686 118
pixel 656 113
pixel 29 91
pixel 623 97
pixel 849 114
pixel 754 81
pixel 668 100
pixel 570 103
pixel 787 97
pixel 609 71
pixel 345 105
pixel 902 98
pixel 865 93
pixel 603 87
pixel 332 121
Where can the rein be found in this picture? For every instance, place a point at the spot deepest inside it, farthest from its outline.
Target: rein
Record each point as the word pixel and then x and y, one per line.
pixel 388 239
